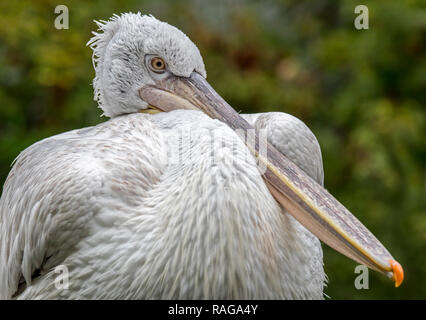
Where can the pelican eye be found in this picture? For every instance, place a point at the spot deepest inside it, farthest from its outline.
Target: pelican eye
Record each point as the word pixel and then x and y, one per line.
pixel 158 64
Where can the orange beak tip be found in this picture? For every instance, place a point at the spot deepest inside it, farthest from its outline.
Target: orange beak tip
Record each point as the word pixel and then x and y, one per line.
pixel 398 272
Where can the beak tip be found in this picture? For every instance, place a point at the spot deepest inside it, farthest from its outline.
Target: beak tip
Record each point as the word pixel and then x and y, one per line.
pixel 398 272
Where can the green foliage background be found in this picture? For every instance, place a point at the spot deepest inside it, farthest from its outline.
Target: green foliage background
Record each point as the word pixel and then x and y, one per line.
pixel 363 93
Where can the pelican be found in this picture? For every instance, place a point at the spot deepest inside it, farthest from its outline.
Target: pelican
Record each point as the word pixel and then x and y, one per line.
pixel 137 208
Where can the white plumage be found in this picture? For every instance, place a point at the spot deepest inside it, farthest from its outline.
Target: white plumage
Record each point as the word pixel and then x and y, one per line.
pixel 137 207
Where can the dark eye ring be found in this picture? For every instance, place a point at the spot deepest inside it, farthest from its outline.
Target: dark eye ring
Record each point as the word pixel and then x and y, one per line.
pixel 158 64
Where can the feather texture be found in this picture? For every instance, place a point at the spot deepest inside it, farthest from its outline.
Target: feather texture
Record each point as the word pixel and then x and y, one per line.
pixel 138 208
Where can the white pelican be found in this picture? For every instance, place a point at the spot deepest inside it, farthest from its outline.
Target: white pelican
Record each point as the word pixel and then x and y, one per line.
pixel 133 209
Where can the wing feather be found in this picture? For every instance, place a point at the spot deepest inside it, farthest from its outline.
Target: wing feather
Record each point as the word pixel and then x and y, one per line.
pixel 57 185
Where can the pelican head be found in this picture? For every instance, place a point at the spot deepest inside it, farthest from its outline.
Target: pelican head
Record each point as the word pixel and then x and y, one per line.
pixel 134 51
pixel 143 64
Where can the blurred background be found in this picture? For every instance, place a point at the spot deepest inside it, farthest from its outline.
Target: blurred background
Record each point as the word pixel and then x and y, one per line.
pixel 362 92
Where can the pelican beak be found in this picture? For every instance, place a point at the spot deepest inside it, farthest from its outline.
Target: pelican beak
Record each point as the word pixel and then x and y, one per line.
pixel 311 204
